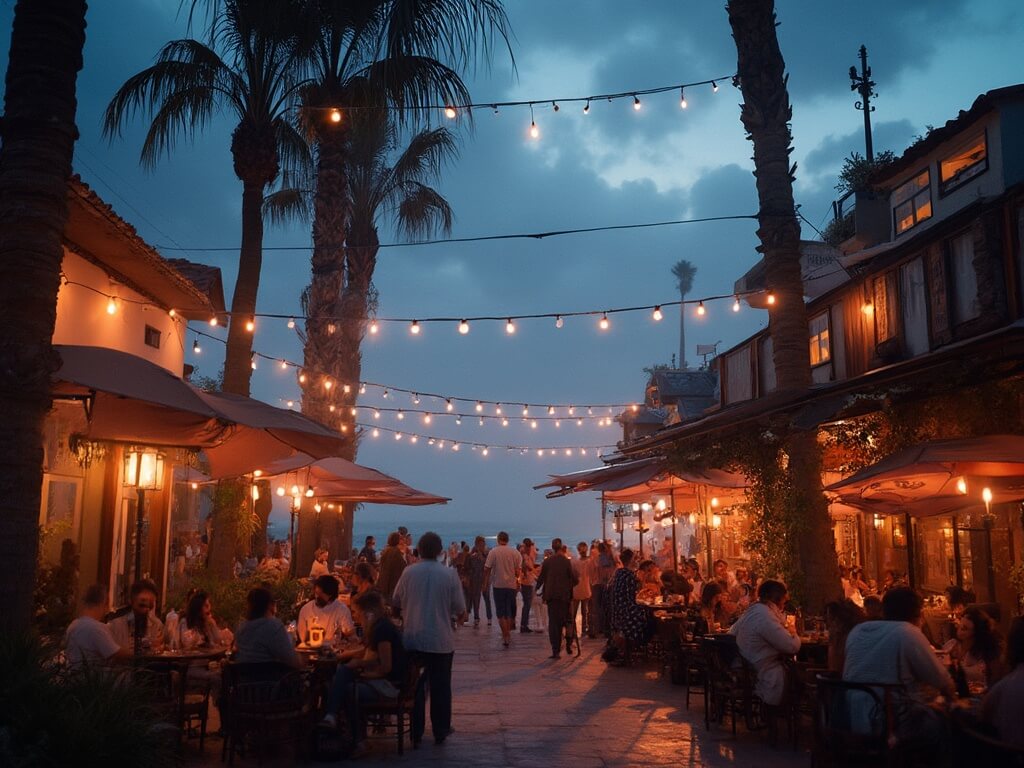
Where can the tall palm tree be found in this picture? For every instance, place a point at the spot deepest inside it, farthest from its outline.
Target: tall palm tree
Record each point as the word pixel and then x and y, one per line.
pixel 397 56
pixel 684 272
pixel 380 185
pixel 766 114
pixel 35 163
pixel 250 69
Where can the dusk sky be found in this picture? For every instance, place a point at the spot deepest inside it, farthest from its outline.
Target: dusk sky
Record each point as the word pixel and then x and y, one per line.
pixel 614 166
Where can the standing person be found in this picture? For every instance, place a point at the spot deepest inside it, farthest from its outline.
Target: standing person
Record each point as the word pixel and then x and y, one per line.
pixel 369 551
pixel 325 610
pixel 429 597
pixel 475 571
pixel 88 640
pixel 319 567
pixel 557 581
pixel 527 583
pixel 139 630
pixel 502 569
pixel 581 593
pixel 601 608
pixel 392 563
pixel 764 639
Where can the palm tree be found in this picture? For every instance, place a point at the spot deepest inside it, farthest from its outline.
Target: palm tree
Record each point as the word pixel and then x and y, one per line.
pixel 684 272
pixel 395 56
pixel 249 69
pixel 766 114
pixel 378 187
pixel 35 163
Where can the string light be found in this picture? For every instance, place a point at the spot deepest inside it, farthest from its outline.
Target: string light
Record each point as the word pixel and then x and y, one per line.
pixel 736 304
pixel 559 322
pixel 510 327
pixel 284 365
pixel 427 418
pixel 252 361
pixel 700 309
pixel 449 112
pixel 291 323
pixel 682 98
pixel 534 130
pixel 603 323
pixel 714 87
pixel 414 329
pixel 111 306
pixel 373 328
pixel 656 314
pixel 449 406
pixel 464 327
pixel 213 321
pixel 771 298
pixel 195 347
pixel 636 102
pixel 335 115
pixel 479 406
pixel 586 109
pixel 250 326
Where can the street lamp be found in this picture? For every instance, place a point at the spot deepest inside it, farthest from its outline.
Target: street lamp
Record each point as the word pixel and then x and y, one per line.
pixel 143 471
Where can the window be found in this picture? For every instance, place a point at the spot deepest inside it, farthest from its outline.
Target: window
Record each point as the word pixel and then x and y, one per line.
pixel 912 202
pixel 738 384
pixel 885 307
pixel 964 278
pixel 766 365
pixel 914 305
pixel 152 337
pixel 818 333
pixel 964 165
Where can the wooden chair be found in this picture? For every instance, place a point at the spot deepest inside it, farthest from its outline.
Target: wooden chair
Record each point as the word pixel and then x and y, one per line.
pixel 836 743
pixel 400 707
pixel 270 702
pixel 730 684
pixel 691 668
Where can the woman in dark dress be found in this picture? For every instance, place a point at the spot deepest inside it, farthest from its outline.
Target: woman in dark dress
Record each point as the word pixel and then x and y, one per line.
pixel 628 618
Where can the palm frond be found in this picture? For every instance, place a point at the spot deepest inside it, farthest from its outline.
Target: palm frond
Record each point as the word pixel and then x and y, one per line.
pixel 425 155
pixel 422 211
pixel 407 82
pixel 684 272
pixel 287 205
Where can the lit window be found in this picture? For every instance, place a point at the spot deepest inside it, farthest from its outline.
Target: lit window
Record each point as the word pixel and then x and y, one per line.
pixel 152 337
pixel 912 202
pixel 818 332
pixel 964 165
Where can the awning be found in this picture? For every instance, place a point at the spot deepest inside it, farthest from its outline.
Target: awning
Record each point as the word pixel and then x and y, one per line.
pixel 131 400
pixel 339 480
pixel 643 479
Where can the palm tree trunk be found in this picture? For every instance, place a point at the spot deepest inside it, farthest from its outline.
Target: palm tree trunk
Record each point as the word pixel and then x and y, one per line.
pixel 323 349
pixel 238 360
pixel 39 135
pixel 766 114
pixel 682 332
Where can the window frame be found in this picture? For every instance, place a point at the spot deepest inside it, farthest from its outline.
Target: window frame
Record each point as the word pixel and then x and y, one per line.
pixel 151 334
pixel 912 200
pixel 945 190
pixel 828 336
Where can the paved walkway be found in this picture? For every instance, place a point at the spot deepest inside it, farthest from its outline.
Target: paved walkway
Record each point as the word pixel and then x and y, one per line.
pixel 518 708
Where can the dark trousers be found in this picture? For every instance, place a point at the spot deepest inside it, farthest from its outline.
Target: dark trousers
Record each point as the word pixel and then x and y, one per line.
pixel 524 622
pixel 437 682
pixel 582 607
pixel 476 591
pixel 558 617
pixel 598 614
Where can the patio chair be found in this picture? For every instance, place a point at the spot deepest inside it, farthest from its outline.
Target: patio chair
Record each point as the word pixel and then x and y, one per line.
pixel 690 668
pixel 836 743
pixel 400 707
pixel 730 684
pixel 268 702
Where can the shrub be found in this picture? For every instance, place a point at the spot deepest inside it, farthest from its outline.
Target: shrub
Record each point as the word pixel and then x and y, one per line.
pixel 227 596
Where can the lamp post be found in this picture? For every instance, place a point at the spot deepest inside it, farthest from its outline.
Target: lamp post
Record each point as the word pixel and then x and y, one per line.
pixel 144 471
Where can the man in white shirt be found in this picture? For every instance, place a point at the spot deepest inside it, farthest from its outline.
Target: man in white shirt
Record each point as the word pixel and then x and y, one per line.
pixel 88 640
pixel 139 630
pixel 319 567
pixel 429 596
pixel 325 610
pixel 764 639
pixel 895 650
pixel 502 569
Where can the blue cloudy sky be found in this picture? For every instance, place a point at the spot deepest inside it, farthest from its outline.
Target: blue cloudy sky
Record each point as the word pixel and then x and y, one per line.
pixel 931 58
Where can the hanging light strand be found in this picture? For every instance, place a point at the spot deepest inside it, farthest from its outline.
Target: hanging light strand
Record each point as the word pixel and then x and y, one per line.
pixel 582 450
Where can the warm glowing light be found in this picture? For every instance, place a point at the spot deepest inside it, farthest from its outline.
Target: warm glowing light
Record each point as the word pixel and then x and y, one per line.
pixel 450 112
pixel 526 410
pixel 376 414
pixel 398 435
pixel 328 384
pixel 111 306
pixel 661 505
pixel 559 322
pixel 335 115
pixel 736 304
pixel 497 409
pixel 700 309
pixel 448 405
pixel 291 322
pixel 534 130
pixel 195 347
pixel 374 328
pixel 213 321
pixel 280 490
pixel 868 308
pixel 427 418
pixel 295 490
pixel 376 432
pixel 879 522
pixel 504 422
pixel 533 424
pixel 657 315
pixel 636 103
pixel 682 99
pixel 714 501
pixel 309 492
pixel 714 87
pixel 400 414
pixel 485 451
pixel 284 365
pixel 347 390
pixel 551 410
pixel 586 108
pixel 464 327
pixel 603 324
pixel 250 326
pixel 771 298
pixel 635 407
pixel 172 313
pixel 291 403
pixel 255 492
pixel 414 329
pixel 252 363
pixel 986 495
pixel 302 378
pixel 716 521
pixel 195 485
pixel 510 327
pixel 961 485
pixel 317 507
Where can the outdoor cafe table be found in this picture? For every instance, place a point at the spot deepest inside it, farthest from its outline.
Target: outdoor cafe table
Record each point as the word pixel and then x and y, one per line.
pixel 178 659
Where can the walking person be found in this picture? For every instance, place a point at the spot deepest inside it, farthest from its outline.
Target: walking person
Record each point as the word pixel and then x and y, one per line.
pixel 601 603
pixel 475 572
pixel 581 593
pixel 527 583
pixel 429 596
pixel 502 570
pixel 557 580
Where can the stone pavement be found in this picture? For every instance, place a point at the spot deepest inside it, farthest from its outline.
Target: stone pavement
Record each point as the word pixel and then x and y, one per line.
pixel 518 708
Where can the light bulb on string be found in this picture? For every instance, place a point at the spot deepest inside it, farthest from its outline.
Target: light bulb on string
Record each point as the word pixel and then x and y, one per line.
pixel 213 321
pixel 603 324
pixel 551 410
pixel 714 87
pixel 449 112
pixel 636 102
pixel 682 98
pixel 479 406
pixel 510 327
pixel 376 432
pixel 481 421
pixel 533 424
pixel 534 130
pixel 400 415
pixel 362 389
pixel 526 410
pixel 484 451
pixel 427 418
pixel 464 327
pixel 458 419
pixel 497 409
pixel 385 394
pixel 376 414
pixel 586 108
pixel 449 406
pixel 252 361
pixel 554 105
pixel 414 329
pixel 373 328
pixel 559 322
pixel 771 298
pixel 111 306
pixel 335 115
pixel 736 304
pixel 398 435
pixel 284 365
pixel 291 322
pixel 195 347
pixel 310 493
pixel 504 422
pixel 413 438
pixel 700 309
pixel 250 325
pixel 302 378
pixel 558 422
pixel 657 314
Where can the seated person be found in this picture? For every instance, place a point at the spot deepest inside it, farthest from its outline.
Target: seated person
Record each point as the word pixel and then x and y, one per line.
pixel 378 672
pixel 319 567
pixel 326 611
pixel 650 581
pixel 873 608
pixel 764 639
pixel 1001 709
pixel 977 648
pixel 262 638
pixel 714 610
pixel 723 574
pixel 88 641
pixel 363 578
pixel 840 617
pixel 674 584
pixel 896 651
pixel 140 623
pixel 691 570
pixel 197 628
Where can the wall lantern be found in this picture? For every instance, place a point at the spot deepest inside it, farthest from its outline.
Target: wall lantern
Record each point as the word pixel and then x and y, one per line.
pixel 879 522
pixel 144 469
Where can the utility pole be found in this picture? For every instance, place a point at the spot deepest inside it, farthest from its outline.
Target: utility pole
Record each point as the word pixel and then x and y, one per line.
pixel 863 84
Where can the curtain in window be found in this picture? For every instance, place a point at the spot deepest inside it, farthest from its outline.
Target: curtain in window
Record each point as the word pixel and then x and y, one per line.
pixel 965 279
pixel 766 365
pixel 738 384
pixel 914 303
